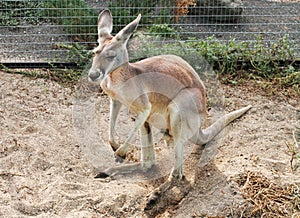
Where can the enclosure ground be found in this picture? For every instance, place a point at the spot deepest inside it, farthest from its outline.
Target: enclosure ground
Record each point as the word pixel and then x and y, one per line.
pixel 44 173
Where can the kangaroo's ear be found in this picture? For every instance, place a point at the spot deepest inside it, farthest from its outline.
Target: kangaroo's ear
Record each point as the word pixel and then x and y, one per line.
pixel 105 26
pixel 127 31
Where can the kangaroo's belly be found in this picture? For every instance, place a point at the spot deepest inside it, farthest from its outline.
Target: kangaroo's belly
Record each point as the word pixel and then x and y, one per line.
pixel 159 120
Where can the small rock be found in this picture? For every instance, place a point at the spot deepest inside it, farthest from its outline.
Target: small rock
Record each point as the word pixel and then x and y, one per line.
pixel 176 194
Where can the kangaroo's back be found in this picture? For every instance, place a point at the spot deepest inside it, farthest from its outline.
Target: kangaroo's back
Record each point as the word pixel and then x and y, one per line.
pixel 168 74
pixel 173 66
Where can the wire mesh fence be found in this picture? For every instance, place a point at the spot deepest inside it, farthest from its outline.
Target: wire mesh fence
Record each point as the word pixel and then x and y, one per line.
pixel 61 31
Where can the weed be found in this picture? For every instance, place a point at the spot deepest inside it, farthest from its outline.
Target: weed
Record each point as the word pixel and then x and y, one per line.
pixel 266 61
pixel 254 59
pixel 13 13
pixel 78 19
pixel 154 12
pixel 298 128
pixel 250 60
pixel 294 152
pixel 163 30
pixel 62 76
pixel 76 53
pixel 124 15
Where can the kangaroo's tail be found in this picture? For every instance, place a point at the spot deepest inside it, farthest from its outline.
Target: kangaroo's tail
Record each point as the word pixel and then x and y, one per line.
pixel 206 135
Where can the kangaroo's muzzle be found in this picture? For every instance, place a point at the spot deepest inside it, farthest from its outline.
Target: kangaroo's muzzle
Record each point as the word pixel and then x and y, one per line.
pixel 95 75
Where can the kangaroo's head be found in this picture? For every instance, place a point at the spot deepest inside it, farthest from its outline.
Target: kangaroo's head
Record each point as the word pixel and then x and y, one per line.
pixel 111 51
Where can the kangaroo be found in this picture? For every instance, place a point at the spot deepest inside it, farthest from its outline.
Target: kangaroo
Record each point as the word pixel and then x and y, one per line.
pixel 163 91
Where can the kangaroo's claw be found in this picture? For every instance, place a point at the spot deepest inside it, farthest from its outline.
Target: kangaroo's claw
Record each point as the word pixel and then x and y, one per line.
pixel 101 175
pixel 121 152
pixel 114 145
pixel 120 159
pixel 152 200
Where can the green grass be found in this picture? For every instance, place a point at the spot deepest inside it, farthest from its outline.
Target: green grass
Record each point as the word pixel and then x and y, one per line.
pixel 153 12
pixel 14 13
pixel 77 19
pixel 256 57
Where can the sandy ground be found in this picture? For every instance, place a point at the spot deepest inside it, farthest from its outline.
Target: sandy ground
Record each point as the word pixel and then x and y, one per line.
pixel 45 173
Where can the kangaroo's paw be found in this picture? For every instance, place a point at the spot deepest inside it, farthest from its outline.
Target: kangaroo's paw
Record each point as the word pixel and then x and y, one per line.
pixel 114 145
pixel 154 196
pixel 102 175
pixel 119 159
pixel 152 199
pixel 121 151
pixel 172 191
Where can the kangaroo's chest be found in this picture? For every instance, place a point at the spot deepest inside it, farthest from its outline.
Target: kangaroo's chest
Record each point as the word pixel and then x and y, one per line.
pixel 107 87
pixel 113 84
pixel 122 88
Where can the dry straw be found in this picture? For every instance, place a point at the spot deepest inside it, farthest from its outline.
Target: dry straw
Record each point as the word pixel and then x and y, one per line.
pixel 267 198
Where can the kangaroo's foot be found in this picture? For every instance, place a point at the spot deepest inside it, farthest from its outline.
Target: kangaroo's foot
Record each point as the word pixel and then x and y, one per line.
pixel 122 150
pixel 170 184
pixel 125 168
pixel 114 145
pixel 101 175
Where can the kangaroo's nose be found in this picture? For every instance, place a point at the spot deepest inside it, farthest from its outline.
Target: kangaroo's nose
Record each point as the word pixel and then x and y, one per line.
pixel 94 75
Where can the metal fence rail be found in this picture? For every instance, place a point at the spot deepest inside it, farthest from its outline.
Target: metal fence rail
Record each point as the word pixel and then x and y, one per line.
pixel 33 31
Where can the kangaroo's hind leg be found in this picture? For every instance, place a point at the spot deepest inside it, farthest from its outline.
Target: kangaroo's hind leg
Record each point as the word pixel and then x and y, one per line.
pixel 184 121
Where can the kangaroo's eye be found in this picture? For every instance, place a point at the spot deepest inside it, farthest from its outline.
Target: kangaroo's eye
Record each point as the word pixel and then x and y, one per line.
pixel 110 54
pixel 110 57
pixel 97 50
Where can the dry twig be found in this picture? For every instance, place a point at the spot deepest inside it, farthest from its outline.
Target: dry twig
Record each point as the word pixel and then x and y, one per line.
pixel 268 198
